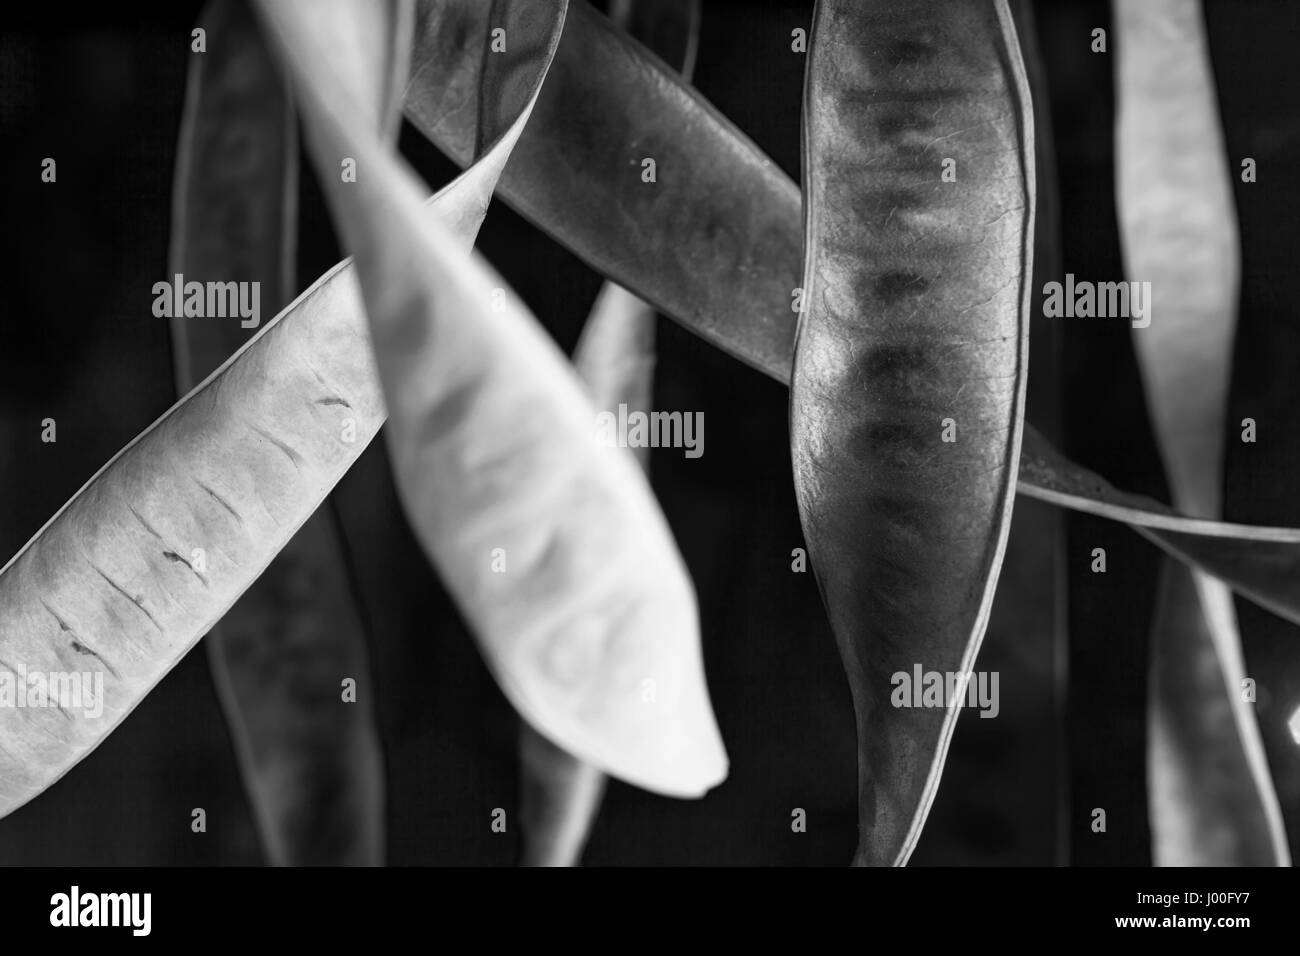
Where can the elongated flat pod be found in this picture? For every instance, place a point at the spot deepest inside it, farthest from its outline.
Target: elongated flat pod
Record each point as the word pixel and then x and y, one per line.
pixel 161 541
pixel 279 656
pixel 1010 773
pixel 1209 788
pixel 559 793
pixel 909 370
pixel 235 199
pixel 158 545
pixel 1262 563
pixel 615 358
pixel 552 544
pixel 726 194
pixel 609 104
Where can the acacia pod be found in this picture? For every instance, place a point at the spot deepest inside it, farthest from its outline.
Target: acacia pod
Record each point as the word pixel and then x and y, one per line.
pixel 719 207
pixel 1210 791
pixel 281 654
pixel 158 545
pixel 615 358
pixel 551 544
pixel 1009 777
pixel 907 397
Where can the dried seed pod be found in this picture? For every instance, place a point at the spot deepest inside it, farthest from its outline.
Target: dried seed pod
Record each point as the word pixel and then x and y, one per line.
pixel 907 397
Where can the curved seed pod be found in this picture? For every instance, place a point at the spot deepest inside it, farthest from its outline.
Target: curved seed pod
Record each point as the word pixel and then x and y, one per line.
pixel 718 206
pixel 155 548
pixel 1008 776
pixel 908 390
pixel 1261 563
pixel 497 459
pixel 280 654
pixel 1210 790
pixel 615 358
pixel 163 539
pixel 560 794
pixel 235 201
pixel 726 193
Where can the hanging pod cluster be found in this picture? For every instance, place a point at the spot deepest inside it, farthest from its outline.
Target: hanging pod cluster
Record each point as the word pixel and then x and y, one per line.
pixel 908 256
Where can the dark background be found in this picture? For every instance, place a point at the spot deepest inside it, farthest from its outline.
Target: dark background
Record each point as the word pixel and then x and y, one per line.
pixel 79 343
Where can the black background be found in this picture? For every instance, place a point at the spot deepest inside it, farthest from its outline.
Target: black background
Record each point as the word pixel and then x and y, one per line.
pixel 79 343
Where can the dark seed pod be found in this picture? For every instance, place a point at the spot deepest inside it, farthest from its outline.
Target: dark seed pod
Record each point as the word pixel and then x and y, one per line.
pixel 908 389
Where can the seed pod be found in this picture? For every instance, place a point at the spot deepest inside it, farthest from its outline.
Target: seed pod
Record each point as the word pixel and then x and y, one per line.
pixel 907 396
pixel 615 358
pixel 1211 794
pixel 718 208
pixel 311 766
pixel 496 455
